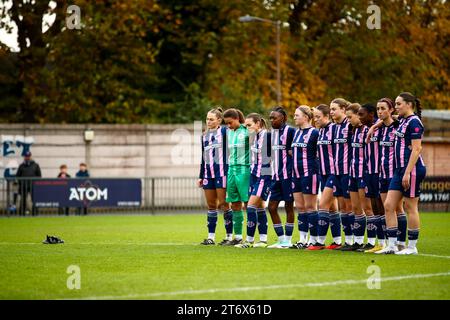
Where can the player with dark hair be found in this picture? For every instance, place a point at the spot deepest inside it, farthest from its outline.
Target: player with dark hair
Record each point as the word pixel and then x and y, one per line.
pixel 368 116
pixel 281 187
pixel 260 180
pixel 238 177
pixel 386 138
pixel 360 204
pixel 409 172
pixel 319 222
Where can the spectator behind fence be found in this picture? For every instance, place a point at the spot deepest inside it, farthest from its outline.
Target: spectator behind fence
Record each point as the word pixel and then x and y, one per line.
pixel 63 175
pixel 82 173
pixel 27 169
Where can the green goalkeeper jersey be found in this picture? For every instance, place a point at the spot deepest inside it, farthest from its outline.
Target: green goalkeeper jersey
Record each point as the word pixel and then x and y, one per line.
pixel 239 148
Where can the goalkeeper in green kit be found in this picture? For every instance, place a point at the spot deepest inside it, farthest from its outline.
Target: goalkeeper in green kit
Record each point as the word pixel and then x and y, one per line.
pixel 238 177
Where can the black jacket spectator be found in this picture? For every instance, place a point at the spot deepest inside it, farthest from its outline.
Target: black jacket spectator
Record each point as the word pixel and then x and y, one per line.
pixel 82 173
pixel 63 175
pixel 28 169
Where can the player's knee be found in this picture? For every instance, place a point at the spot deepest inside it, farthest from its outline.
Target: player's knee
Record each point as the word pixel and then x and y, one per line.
pixel 236 206
pixel 347 208
pixel 212 205
pixel 409 208
pixel 223 205
pixel 323 206
pixel 368 209
pixel 301 208
pixel 289 205
pixel 272 207
pixel 389 207
pixel 356 208
pixel 399 209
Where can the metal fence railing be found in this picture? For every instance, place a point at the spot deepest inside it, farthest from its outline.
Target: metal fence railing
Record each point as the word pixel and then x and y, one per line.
pixel 159 194
pixel 172 194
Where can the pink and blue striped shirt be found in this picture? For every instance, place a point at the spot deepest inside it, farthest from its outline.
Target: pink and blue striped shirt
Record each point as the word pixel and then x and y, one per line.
pixel 281 160
pixel 325 149
pixel 342 147
pixel 357 166
pixel 386 138
pixel 371 155
pixel 261 153
pixel 409 129
pixel 214 154
pixel 304 150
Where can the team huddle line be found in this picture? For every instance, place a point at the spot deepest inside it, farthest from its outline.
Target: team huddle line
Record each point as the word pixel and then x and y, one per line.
pixel 364 158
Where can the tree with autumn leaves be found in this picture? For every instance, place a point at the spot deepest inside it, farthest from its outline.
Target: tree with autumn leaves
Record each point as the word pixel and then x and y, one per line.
pixel 169 61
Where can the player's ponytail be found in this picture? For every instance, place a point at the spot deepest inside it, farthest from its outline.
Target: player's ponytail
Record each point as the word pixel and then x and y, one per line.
pixel 218 112
pixel 234 114
pixel 415 102
pixel 241 116
pixel 418 108
pixel 263 123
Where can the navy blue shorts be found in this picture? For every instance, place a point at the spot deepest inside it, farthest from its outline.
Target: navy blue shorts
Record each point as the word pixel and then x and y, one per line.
pixel 372 185
pixel 417 175
pixel 356 183
pixel 215 183
pixel 260 187
pixel 327 180
pixel 306 185
pixel 384 184
pixel 341 184
pixel 281 190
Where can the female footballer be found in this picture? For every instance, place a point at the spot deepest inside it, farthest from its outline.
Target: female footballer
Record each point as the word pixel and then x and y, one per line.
pixel 238 177
pixel 260 180
pixel 305 178
pixel 327 201
pixel 342 157
pixel 409 172
pixel 281 186
pixel 213 170
pixel 367 115
pixel 386 137
pixel 360 204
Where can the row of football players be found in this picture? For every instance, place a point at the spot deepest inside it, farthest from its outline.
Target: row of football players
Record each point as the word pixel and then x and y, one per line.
pixel 364 158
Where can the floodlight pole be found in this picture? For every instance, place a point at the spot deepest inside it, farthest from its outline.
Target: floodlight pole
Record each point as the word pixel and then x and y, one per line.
pixel 277 24
pixel 278 64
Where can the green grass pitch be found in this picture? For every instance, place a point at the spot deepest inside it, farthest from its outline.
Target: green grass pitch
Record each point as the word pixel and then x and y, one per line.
pixel 158 257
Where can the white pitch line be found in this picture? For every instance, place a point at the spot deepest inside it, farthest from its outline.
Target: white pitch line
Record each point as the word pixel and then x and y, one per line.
pixel 256 288
pixel 106 243
pixel 159 244
pixel 433 255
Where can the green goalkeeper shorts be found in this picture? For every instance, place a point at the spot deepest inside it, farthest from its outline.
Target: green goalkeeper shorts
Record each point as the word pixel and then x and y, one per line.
pixel 238 184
